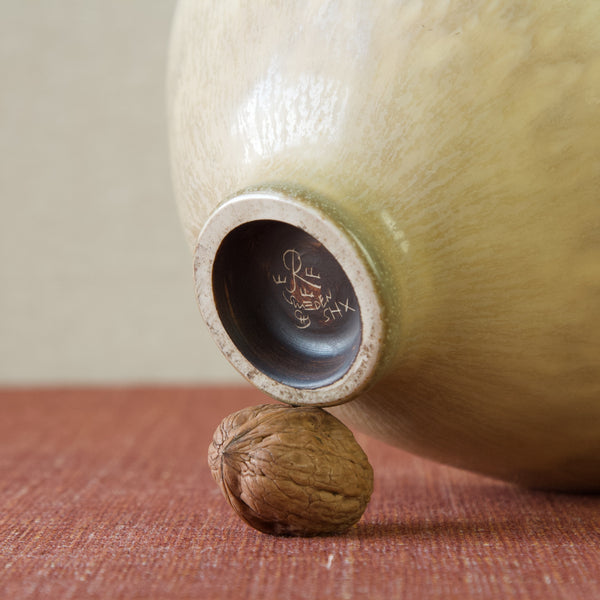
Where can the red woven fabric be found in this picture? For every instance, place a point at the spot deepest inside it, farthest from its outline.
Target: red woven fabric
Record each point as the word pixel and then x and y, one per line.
pixel 106 494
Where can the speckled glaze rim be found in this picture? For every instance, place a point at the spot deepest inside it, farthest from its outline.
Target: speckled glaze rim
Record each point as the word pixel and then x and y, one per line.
pixel 272 204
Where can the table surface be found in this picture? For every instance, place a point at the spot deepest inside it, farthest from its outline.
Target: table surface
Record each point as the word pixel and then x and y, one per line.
pixel 105 493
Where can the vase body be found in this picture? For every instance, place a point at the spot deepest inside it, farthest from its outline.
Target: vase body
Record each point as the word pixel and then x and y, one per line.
pixel 457 146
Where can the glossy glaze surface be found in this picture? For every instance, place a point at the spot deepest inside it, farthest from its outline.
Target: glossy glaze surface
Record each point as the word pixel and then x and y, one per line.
pixel 461 141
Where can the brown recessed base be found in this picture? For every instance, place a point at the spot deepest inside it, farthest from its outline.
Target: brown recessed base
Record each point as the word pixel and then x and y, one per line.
pixel 286 304
pixel 290 296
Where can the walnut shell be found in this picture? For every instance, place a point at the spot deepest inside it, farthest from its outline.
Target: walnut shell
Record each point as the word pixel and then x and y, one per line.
pixel 291 471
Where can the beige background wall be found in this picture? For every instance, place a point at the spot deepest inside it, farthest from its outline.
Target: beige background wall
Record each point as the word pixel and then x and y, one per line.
pixel 95 277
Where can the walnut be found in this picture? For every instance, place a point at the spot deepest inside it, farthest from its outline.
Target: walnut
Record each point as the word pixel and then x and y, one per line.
pixel 291 471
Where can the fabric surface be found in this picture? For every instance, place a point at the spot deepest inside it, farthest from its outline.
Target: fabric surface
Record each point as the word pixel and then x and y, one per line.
pixel 106 493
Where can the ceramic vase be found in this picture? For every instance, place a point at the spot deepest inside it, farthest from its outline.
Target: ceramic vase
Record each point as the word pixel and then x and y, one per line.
pixel 394 211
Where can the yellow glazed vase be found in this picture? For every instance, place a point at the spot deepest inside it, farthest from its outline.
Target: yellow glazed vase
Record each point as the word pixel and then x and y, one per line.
pixel 395 211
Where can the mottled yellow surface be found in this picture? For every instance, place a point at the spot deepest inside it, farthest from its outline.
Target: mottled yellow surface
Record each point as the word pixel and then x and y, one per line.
pixel 463 140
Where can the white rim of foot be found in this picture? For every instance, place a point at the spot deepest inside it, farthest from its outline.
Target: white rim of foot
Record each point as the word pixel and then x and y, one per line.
pixel 278 206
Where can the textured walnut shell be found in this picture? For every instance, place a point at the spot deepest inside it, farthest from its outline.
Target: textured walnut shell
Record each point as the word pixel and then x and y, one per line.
pixel 291 471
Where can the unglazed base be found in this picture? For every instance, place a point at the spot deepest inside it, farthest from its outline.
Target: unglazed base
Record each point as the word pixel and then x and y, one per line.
pixel 293 293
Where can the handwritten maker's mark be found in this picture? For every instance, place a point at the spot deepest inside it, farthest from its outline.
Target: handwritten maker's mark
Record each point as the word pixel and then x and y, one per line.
pixel 304 292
